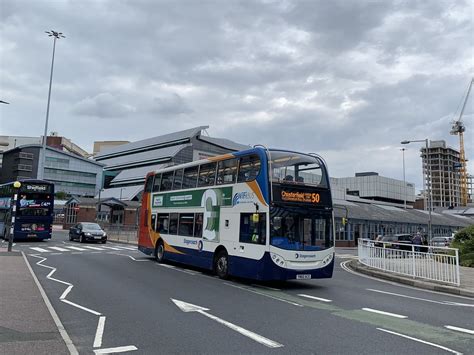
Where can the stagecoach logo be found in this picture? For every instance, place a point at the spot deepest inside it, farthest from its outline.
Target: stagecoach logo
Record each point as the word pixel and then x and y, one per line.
pixel 157 201
pixel 304 256
pixel 243 197
pixel 190 241
pixel 36 187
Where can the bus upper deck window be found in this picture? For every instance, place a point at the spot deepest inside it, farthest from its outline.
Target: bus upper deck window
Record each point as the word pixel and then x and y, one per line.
pixel 227 171
pixel 190 177
pixel 149 184
pixel 249 168
pixel 207 174
pixel 167 181
pixel 156 183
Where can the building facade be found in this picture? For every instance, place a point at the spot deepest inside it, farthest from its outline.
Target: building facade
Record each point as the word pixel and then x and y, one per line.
pixel 371 186
pixel 127 165
pixel 70 173
pixel 441 172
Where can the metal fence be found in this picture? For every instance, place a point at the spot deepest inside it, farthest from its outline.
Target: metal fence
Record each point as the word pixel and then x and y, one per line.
pixel 119 233
pixel 438 264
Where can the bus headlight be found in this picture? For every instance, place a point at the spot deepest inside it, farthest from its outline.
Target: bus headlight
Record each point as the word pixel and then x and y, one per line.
pixel 327 259
pixel 277 259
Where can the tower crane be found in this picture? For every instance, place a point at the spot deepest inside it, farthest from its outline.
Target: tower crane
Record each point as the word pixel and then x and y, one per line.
pixel 458 128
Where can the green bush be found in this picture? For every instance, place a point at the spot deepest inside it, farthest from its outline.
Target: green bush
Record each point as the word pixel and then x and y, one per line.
pixel 464 241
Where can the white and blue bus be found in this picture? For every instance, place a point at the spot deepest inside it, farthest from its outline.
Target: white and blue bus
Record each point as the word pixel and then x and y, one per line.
pixel 259 214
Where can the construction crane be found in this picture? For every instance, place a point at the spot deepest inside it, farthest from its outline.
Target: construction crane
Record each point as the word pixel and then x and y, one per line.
pixel 458 128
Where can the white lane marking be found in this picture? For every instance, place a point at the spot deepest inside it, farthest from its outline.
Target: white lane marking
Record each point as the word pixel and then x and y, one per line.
pixel 126 248
pixel 82 307
pixel 76 248
pixel 421 341
pixel 120 349
pixel 186 271
pixel 166 265
pixel 188 307
pixel 99 332
pixel 58 249
pixel 70 345
pixel 384 313
pixel 111 248
pixel 56 254
pixel 446 303
pixel 93 248
pixel 66 291
pixel 315 298
pixel 468 331
pixel 346 268
pixel 41 250
pixel 76 252
pixel 263 294
pixel 70 286
pixel 266 287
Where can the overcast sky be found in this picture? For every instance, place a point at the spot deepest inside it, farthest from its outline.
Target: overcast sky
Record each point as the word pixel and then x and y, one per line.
pixel 346 79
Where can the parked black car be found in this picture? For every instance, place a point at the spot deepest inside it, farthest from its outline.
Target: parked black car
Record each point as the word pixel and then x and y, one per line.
pixel 86 232
pixel 395 238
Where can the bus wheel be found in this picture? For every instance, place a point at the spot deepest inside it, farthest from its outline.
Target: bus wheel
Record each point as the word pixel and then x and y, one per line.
pixel 160 252
pixel 221 265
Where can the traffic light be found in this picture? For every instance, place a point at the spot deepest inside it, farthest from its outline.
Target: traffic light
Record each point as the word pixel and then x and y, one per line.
pixel 344 221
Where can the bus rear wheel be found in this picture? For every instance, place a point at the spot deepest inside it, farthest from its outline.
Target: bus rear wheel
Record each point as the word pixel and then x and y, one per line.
pixel 221 265
pixel 160 252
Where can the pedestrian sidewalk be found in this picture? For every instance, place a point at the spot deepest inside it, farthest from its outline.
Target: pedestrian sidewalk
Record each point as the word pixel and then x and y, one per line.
pixel 26 325
pixel 465 289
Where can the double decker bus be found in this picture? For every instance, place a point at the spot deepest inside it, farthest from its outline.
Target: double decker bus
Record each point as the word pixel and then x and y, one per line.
pixel 259 214
pixel 31 210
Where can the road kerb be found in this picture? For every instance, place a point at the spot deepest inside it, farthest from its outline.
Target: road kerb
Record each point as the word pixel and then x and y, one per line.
pixel 356 266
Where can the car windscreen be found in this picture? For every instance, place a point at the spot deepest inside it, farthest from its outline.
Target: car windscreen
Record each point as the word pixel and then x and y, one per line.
pixel 91 226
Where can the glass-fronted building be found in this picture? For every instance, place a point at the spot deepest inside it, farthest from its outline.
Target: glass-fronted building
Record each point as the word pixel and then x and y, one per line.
pixel 70 173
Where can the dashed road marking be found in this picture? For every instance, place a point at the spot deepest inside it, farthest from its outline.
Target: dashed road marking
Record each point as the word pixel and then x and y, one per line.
pixel 315 298
pixel 99 332
pixel 41 250
pixel 58 249
pixel 76 248
pixel 420 341
pixel 93 248
pixel 463 330
pixel 120 349
pixel 384 313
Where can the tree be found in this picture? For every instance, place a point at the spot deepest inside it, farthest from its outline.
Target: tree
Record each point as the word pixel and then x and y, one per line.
pixel 464 241
pixel 61 195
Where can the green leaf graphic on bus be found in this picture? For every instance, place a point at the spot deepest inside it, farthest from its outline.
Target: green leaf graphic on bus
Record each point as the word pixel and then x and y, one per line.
pixel 211 201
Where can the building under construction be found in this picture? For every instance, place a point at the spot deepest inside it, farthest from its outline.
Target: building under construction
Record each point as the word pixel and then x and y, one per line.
pixel 441 172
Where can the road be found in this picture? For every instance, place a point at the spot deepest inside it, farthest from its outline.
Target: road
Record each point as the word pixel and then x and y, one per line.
pixel 114 299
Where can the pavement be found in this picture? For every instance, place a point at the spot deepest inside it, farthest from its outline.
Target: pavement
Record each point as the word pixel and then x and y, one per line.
pixel 26 324
pixel 465 289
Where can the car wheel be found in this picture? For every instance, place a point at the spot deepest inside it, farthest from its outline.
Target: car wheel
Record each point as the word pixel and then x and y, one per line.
pixel 221 265
pixel 70 238
pixel 103 242
pixel 160 252
pixel 81 238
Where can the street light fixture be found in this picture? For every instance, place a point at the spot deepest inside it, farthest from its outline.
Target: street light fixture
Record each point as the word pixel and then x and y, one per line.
pixel 55 35
pixel 428 169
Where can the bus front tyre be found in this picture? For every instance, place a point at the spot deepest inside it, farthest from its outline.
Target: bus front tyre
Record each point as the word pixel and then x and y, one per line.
pixel 160 252
pixel 221 265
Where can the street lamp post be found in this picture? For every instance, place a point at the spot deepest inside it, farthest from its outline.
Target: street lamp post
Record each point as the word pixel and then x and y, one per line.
pixel 16 187
pixel 404 180
pixel 55 35
pixel 428 170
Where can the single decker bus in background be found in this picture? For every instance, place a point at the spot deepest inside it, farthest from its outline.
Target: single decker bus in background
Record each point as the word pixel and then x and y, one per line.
pixel 32 211
pixel 259 214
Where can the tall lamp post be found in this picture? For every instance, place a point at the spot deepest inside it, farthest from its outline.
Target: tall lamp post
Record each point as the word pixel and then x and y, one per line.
pixel 404 180
pixel 428 169
pixel 55 35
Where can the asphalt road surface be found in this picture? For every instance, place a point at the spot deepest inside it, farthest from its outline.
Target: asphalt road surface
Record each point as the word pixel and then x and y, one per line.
pixel 113 299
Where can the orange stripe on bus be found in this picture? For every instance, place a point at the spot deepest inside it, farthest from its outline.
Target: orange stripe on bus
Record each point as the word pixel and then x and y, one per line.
pixel 256 189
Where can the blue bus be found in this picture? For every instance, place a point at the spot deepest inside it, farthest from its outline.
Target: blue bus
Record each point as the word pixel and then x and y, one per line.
pixel 31 210
pixel 259 214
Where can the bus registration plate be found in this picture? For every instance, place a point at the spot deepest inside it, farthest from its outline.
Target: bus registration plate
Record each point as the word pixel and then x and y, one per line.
pixel 303 276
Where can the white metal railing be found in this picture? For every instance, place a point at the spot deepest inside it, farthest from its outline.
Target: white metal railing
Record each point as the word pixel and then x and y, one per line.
pixel 440 264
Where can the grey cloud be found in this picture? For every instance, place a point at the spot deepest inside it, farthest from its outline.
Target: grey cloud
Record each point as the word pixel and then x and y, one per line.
pixel 103 105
